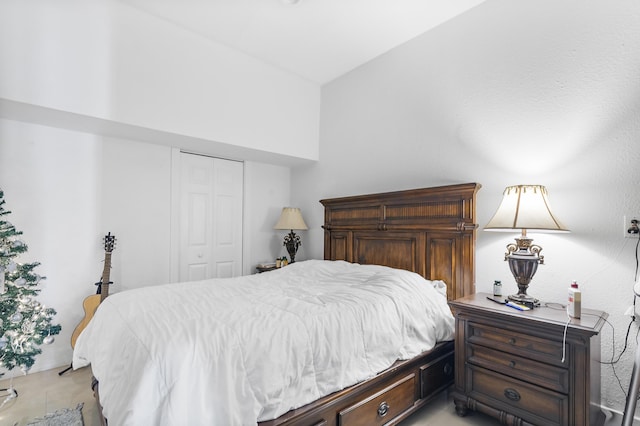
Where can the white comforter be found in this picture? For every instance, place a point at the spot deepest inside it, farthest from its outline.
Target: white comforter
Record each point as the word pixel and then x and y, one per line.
pixel 241 350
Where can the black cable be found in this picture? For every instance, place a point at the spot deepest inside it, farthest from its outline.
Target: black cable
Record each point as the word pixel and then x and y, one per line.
pixel 612 363
pixel 626 337
pixel 560 306
pixel 633 315
pixel 636 275
pixel 613 343
pixel 635 280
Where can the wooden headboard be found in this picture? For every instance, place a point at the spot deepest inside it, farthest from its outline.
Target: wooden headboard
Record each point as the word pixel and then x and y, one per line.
pixel 431 231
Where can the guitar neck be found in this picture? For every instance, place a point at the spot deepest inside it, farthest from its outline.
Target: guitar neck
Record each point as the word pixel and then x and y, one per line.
pixel 104 284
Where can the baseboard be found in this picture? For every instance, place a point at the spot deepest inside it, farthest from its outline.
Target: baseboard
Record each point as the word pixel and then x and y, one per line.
pixel 614 417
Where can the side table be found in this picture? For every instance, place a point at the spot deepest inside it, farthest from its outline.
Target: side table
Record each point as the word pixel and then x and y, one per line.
pixel 518 367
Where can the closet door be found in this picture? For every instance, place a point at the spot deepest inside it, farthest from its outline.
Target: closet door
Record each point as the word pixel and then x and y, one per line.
pixel 210 218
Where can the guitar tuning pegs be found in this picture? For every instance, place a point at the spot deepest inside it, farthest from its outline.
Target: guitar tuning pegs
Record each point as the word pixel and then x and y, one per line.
pixel 109 242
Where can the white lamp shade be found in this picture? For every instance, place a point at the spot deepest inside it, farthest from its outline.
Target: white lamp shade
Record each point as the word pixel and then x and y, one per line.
pixel 525 207
pixel 291 218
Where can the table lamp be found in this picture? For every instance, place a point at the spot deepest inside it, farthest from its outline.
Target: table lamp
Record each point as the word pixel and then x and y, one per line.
pixel 524 207
pixel 291 218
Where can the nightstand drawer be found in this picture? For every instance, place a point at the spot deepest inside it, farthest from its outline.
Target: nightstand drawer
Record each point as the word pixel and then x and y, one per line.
pixel 545 350
pixel 549 376
pixel 531 403
pixel 382 406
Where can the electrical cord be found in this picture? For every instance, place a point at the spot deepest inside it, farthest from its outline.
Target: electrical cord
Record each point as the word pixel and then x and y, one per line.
pixel 564 338
pixel 637 260
pixel 635 280
pixel 614 360
pixel 555 305
pixel 560 307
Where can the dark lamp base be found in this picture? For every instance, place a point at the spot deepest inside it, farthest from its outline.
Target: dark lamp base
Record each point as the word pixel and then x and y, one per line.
pixel 524 299
pixel 292 242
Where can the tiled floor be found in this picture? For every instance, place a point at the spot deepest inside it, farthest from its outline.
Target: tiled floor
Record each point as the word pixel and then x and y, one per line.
pixel 441 412
pixel 45 392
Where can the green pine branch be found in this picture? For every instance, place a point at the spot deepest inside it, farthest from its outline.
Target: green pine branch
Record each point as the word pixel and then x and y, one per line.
pixel 25 324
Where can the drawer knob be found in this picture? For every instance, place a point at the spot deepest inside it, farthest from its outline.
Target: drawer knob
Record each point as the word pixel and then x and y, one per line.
pixel 512 341
pixel 512 394
pixel 448 369
pixel 512 364
pixel 383 409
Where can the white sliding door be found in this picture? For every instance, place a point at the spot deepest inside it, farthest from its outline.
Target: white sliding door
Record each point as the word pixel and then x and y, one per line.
pixel 210 223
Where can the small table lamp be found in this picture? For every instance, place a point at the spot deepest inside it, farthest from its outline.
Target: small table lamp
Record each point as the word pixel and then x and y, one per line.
pixel 291 218
pixel 524 207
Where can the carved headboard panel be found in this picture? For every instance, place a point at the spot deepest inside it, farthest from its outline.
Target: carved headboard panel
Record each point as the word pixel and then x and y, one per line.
pixel 431 231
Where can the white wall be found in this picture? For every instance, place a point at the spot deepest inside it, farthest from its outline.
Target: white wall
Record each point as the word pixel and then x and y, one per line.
pixel 510 92
pixel 106 60
pixel 52 184
pixel 98 80
pixel 267 190
pixel 136 208
pixel 67 189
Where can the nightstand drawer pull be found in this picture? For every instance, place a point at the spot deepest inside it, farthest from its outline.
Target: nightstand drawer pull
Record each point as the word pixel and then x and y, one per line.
pixel 512 341
pixel 448 369
pixel 512 394
pixel 383 409
pixel 512 364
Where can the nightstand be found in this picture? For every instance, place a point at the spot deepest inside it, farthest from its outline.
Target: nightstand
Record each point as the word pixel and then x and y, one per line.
pixel 509 364
pixel 264 268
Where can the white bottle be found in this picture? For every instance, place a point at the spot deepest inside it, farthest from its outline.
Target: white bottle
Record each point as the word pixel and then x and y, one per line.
pixel 575 301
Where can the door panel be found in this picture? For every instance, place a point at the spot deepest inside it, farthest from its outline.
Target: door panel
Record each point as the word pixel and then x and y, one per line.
pixel 227 226
pixel 210 217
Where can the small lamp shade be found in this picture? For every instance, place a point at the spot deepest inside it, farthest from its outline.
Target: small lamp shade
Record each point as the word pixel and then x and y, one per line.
pixel 291 218
pixel 525 207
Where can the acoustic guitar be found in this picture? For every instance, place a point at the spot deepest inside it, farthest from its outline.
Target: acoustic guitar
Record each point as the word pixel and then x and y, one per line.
pixel 91 303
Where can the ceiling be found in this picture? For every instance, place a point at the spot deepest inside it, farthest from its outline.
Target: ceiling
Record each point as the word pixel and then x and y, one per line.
pixel 316 39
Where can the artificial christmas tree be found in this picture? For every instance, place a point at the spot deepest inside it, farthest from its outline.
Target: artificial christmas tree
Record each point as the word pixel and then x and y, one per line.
pixel 25 323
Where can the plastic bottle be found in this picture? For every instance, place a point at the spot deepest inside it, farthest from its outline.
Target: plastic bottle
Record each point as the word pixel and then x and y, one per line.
pixel 575 301
pixel 497 288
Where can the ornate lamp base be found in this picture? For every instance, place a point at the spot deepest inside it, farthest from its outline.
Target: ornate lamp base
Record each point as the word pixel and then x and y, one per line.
pixel 523 258
pixel 292 242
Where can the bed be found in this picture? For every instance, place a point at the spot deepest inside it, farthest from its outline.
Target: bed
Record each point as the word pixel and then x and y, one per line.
pixel 400 254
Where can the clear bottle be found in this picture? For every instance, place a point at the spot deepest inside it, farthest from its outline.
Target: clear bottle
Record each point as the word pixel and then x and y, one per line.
pixel 574 305
pixel 497 288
